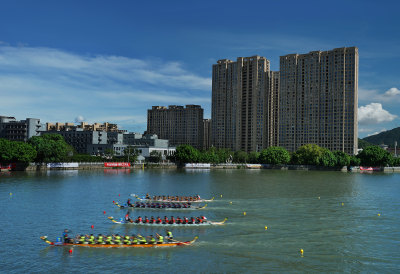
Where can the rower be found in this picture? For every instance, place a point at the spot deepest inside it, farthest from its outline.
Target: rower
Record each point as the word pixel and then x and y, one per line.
pixel 134 240
pixel 91 239
pixel 192 220
pixel 81 239
pixel 65 236
pixel 127 240
pixel 159 221
pixel 109 240
pixel 129 202
pixel 160 239
pixel 166 221
pixel 138 220
pixel 147 196
pixel 172 221
pixel 199 220
pixel 117 239
pixel 178 220
pixel 151 240
pixel 152 220
pixel 142 240
pixel 127 218
pixel 169 235
pixel 100 239
pixel 185 220
pixel 146 220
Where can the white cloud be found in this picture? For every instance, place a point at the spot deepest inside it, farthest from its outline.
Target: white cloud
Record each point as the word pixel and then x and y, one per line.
pixel 52 85
pixel 392 92
pixel 374 114
pixel 79 119
pixel 389 96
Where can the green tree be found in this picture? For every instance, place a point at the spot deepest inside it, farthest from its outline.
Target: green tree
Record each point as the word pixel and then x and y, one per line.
pixel 50 148
pixel 24 153
pixel 253 157
pixel 131 154
pixel 187 154
pixel 274 156
pixel 327 159
pixel 354 161
pixel 342 158
pixel 374 156
pixel 240 157
pixel 224 155
pixel 209 156
pixel 309 154
pixel 155 157
pixel 12 151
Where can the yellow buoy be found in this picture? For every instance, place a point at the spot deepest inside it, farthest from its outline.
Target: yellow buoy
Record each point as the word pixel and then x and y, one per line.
pixel 221 195
pixel 10 193
pixel 379 214
pixel 301 252
pixel 244 213
pixel 230 202
pixel 342 204
pixel 266 227
pixel 319 198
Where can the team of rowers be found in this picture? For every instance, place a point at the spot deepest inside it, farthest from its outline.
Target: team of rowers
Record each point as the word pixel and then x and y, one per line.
pixel 117 239
pixel 173 198
pixel 158 205
pixel 165 220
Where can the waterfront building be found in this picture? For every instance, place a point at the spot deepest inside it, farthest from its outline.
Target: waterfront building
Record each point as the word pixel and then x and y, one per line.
pixel 180 125
pixel 84 126
pixel 272 114
pixel 318 100
pixel 240 92
pixel 22 130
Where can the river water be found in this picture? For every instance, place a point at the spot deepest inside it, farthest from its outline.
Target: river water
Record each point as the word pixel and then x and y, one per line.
pixel 344 222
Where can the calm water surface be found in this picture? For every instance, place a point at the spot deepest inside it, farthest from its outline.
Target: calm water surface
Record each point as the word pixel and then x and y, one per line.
pixel 332 216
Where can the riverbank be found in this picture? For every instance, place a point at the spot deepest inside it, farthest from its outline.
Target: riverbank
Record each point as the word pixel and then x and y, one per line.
pixel 99 165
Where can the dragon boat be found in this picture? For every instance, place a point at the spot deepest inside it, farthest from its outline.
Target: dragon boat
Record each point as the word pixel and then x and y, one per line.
pixel 159 205
pixel 172 199
pixel 204 223
pixel 175 243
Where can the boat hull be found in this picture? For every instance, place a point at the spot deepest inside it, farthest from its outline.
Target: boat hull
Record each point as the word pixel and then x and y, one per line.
pixel 177 243
pixel 186 225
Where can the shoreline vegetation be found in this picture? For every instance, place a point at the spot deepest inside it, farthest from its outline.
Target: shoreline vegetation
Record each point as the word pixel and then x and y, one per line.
pixel 52 148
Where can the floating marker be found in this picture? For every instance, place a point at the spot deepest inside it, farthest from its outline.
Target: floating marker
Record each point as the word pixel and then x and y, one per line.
pixel 119 194
pixel 221 195
pixel 70 251
pixel 244 213
pixel 266 227
pixel 319 198
pixel 379 214
pixel 113 202
pixel 342 204
pixel 92 226
pixel 301 252
pixel 230 202
pixel 104 212
pixel 10 193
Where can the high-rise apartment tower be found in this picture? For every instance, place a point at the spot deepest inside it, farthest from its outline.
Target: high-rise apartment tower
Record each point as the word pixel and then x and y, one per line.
pixel 239 103
pixel 318 100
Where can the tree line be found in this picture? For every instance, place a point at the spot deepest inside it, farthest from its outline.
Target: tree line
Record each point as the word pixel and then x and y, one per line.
pixel 309 154
pixel 51 148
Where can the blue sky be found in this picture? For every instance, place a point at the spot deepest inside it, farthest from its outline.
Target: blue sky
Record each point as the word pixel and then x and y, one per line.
pixel 110 61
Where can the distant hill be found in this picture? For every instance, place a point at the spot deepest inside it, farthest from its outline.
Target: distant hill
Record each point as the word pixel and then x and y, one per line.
pixel 363 144
pixel 386 137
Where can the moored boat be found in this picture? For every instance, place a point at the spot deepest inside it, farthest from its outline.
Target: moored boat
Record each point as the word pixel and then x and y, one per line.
pixel 370 168
pixel 206 222
pixel 168 244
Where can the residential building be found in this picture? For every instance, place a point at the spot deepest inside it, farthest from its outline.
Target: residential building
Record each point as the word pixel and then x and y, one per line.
pixel 318 100
pixel 22 130
pixel 180 125
pixel 239 103
pixel 272 113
